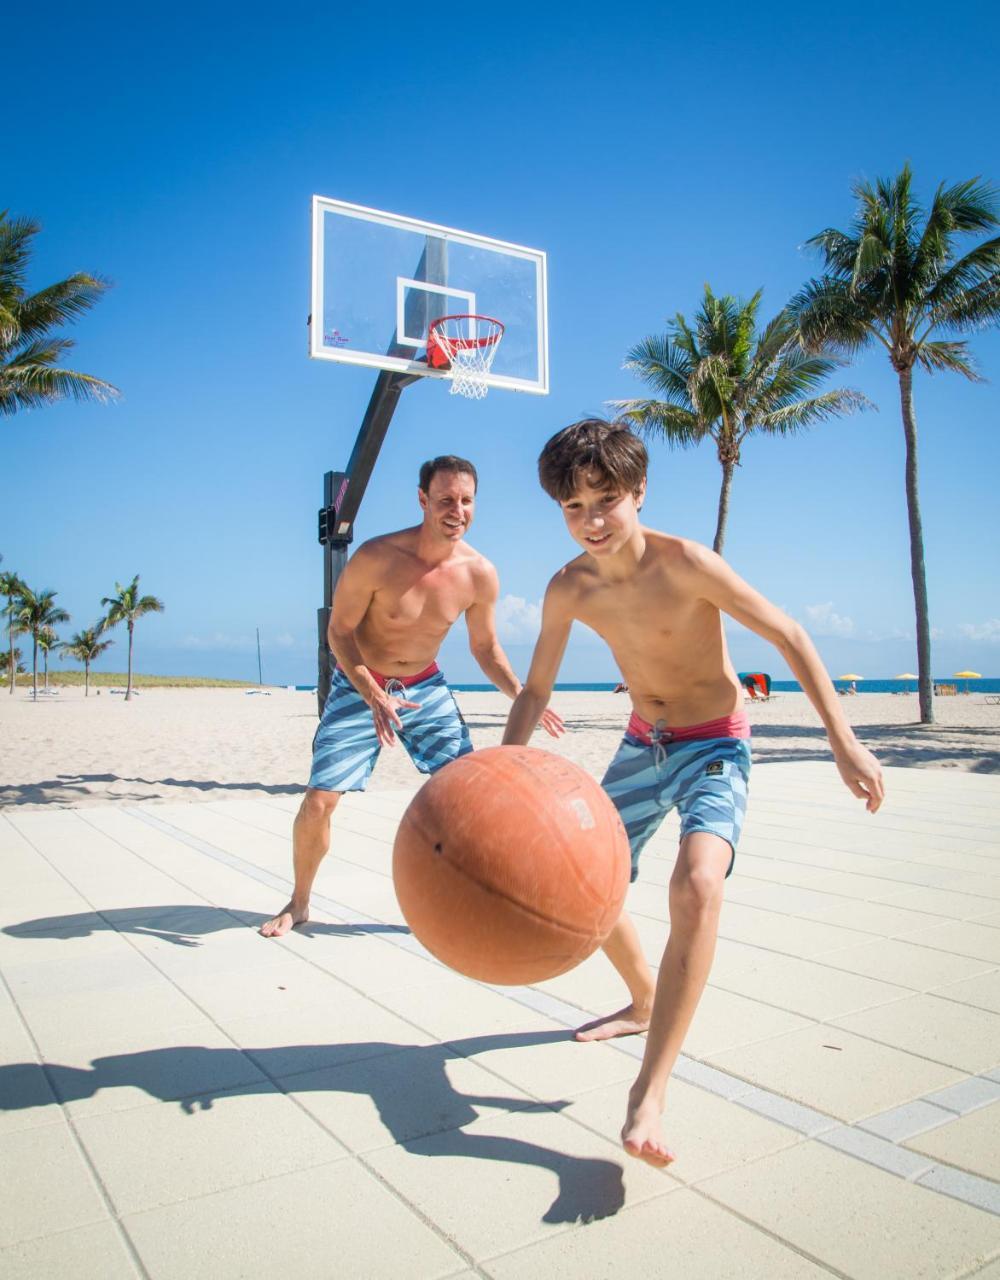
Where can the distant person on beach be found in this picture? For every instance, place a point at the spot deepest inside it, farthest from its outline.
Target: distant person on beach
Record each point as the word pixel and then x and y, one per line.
pixel 396 600
pixel 658 600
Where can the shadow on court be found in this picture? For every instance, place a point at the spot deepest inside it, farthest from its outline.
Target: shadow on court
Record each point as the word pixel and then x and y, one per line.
pixel 906 745
pixel 408 1084
pixel 182 924
pixel 65 788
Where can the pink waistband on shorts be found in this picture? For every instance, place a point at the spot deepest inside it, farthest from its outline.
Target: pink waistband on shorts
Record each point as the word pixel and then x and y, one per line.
pixel 735 726
pixel 405 681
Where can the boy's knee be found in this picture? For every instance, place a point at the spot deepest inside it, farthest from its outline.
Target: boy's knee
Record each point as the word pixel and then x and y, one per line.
pixel 697 890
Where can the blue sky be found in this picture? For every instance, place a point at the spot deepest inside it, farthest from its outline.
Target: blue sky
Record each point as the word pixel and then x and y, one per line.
pixel 175 150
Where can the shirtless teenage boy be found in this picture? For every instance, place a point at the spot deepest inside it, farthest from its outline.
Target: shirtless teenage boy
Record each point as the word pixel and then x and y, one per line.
pixel 658 601
pixel 396 600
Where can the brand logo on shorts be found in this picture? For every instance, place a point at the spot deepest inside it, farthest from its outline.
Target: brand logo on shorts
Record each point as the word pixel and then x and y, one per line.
pixel 715 768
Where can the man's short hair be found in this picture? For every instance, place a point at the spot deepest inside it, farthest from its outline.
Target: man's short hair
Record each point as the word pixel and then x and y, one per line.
pixel 607 453
pixel 447 462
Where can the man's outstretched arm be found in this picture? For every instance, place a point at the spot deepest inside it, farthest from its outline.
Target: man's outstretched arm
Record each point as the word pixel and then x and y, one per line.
pixel 488 652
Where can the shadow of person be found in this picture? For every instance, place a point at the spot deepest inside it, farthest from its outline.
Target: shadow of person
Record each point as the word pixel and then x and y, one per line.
pixel 180 923
pixel 408 1085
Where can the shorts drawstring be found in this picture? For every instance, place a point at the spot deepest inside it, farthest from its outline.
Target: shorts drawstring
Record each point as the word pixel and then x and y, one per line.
pixel 659 736
pixel 394 688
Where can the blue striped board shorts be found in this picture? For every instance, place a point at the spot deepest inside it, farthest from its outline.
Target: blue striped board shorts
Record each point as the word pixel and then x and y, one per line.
pixel 704 778
pixel 345 747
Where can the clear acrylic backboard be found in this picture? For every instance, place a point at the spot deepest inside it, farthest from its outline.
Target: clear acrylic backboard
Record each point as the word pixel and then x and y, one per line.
pixel 380 279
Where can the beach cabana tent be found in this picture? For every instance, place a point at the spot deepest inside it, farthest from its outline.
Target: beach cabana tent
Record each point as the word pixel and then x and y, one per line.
pixel 756 683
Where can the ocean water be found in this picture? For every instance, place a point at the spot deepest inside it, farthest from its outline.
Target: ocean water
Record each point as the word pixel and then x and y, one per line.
pixel 989 684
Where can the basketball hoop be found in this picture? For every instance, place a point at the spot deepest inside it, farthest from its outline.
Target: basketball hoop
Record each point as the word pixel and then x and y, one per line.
pixel 466 345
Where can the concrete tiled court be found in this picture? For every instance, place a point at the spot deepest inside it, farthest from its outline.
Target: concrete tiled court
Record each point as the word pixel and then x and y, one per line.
pixel 180 1097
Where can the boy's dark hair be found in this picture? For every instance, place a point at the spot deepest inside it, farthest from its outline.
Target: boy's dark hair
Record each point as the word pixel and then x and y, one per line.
pixel 446 462
pixel 593 446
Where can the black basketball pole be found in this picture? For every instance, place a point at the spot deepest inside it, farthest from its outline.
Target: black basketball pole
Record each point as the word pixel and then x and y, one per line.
pixel 344 490
pixel 342 495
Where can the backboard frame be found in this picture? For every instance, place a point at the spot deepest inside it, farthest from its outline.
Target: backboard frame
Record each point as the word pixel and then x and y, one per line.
pixel 320 350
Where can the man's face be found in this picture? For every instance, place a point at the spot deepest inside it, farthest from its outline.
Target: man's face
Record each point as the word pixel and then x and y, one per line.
pixel 600 519
pixel 449 504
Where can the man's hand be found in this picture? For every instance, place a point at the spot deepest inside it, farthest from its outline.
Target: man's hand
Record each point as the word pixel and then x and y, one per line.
pixel 384 713
pixel 862 773
pixel 552 722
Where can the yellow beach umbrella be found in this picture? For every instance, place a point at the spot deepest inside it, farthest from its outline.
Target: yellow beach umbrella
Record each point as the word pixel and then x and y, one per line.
pixel 905 675
pixel 967 676
pixel 850 676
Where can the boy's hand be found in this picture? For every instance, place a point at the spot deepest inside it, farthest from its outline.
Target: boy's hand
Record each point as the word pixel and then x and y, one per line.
pixel 386 717
pixel 552 722
pixel 862 773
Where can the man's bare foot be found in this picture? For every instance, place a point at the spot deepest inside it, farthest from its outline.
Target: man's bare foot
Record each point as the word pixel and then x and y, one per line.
pixel 642 1135
pixel 633 1020
pixel 287 918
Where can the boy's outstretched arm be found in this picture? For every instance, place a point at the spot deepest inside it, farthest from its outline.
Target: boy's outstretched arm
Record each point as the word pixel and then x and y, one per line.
pixel 549 648
pixel 718 584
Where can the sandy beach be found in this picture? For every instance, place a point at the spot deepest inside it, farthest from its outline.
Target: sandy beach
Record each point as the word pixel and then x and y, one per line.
pixel 207 744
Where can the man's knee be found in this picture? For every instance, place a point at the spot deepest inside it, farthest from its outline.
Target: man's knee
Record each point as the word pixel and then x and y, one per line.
pixel 318 805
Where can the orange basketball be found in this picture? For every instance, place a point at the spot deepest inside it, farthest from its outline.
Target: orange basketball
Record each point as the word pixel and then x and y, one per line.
pixel 511 865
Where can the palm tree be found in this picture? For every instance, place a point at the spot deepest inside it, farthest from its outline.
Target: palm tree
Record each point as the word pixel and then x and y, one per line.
pixel 29 353
pixel 126 605
pixel 47 642
pixel 84 647
pixel 892 281
pixel 5 659
pixel 38 614
pixel 11 587
pixel 722 378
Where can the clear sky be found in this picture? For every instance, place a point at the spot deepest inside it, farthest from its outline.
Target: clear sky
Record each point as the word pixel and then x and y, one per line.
pixel 648 149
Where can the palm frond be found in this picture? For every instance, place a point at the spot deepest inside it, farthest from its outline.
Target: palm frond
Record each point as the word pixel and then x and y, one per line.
pixel 976 308
pixel 950 356
pixel 60 303
pixel 830 315
pixel 802 414
pixel 663 364
pixel 679 427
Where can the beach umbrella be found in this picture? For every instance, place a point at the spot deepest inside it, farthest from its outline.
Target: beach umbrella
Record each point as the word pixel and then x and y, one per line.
pixel 967 676
pixel 851 676
pixel 905 675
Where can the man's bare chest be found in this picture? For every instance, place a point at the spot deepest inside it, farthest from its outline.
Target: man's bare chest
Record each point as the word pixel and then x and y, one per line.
pixel 431 600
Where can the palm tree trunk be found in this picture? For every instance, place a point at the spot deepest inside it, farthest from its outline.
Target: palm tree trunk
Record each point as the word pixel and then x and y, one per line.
pixel 917 570
pixel 10 636
pixel 128 687
pixel 45 663
pixel 86 678
pixel 34 667
pixel 720 524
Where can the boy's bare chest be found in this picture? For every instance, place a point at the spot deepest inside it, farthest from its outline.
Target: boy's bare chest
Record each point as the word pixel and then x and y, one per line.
pixel 642 616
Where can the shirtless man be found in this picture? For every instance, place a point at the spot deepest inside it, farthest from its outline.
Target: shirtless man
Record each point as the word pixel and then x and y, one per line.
pixel 658 601
pixel 396 600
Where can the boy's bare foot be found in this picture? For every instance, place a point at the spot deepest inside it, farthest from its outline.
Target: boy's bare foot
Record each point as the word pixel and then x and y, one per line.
pixel 287 918
pixel 630 1021
pixel 642 1135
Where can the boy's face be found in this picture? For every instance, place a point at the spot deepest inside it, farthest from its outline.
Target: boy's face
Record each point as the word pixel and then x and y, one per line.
pixel 600 519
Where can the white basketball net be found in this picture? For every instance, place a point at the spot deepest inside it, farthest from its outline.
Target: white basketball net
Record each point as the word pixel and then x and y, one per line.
pixel 470 343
